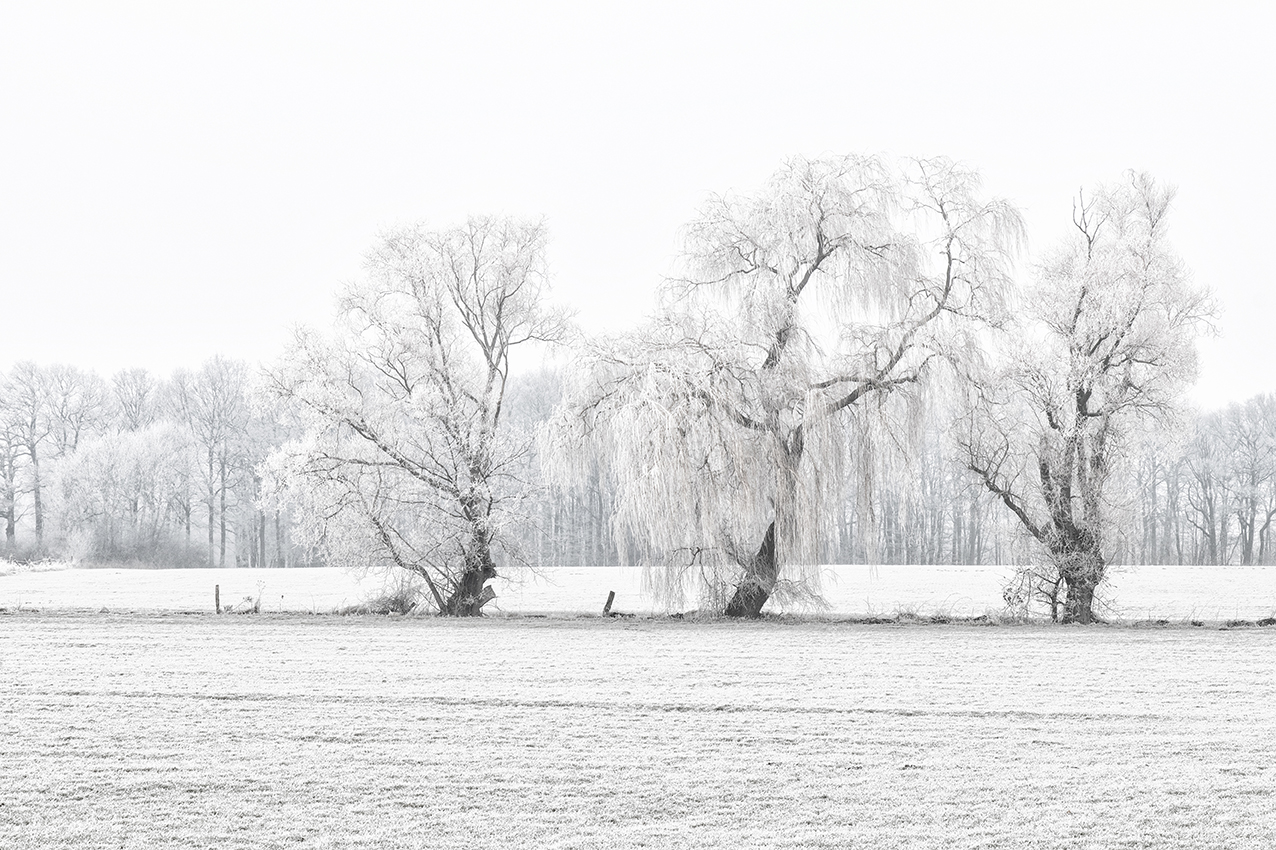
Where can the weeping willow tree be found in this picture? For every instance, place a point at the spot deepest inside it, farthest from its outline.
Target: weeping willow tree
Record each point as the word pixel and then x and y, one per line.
pixel 801 311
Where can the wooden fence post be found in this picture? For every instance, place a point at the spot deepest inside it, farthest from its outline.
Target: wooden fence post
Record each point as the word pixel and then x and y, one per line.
pixel 611 597
pixel 217 597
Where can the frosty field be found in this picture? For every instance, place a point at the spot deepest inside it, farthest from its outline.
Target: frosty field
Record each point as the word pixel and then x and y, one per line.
pixel 1134 593
pixel 284 730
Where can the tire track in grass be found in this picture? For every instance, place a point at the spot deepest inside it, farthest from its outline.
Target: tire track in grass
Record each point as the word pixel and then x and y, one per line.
pixel 615 706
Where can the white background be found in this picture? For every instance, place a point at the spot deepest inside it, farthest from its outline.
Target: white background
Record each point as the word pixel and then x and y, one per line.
pixel 182 179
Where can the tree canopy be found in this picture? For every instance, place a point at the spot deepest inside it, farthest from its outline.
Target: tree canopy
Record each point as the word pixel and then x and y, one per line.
pixel 724 420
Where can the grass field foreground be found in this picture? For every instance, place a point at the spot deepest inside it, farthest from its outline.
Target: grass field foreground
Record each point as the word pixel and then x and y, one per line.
pixel 278 731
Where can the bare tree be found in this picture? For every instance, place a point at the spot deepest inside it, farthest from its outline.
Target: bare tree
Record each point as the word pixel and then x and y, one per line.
pixel 117 491
pixel 76 403
pixel 1107 348
pixel 11 448
pixel 135 395
pixel 1250 430
pixel 803 309
pixel 213 404
pixel 405 463
pixel 26 402
pixel 1209 508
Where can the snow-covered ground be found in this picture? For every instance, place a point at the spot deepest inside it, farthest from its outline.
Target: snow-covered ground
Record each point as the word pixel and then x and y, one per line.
pixel 146 730
pixel 1135 593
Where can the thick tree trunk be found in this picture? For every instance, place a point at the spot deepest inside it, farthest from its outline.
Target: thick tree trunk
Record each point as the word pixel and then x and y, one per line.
pixel 470 595
pixel 755 587
pixel 1079 606
pixel 1082 576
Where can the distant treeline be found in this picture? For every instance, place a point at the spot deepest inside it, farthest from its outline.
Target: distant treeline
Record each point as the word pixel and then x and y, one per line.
pixel 139 469
pixel 155 471
pixel 1201 494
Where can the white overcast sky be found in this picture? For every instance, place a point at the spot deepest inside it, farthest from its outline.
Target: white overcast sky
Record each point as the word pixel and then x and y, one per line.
pixel 180 179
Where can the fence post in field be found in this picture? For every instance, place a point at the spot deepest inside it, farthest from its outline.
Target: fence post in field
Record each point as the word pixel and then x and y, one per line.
pixel 217 597
pixel 611 597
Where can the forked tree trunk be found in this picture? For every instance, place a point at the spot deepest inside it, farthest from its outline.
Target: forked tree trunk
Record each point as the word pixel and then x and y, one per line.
pixel 754 588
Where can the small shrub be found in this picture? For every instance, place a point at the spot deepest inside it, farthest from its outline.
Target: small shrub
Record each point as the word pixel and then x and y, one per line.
pixel 402 599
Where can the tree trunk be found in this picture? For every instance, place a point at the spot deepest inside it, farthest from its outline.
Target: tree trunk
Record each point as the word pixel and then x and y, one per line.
pixel 222 551
pixel 279 542
pixel 1082 574
pixel 39 503
pixel 1079 606
pixel 469 595
pixel 212 506
pixel 755 587
pixel 11 504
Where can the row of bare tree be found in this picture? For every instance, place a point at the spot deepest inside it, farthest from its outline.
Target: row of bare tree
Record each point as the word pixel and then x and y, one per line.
pixel 1200 492
pixel 1203 493
pixel 855 361
pixel 821 322
pixel 137 469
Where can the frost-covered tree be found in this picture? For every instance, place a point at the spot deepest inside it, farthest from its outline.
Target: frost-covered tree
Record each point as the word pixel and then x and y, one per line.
pixel 1250 431
pixel 213 405
pixel 801 311
pixel 569 523
pixel 119 490
pixel 10 485
pixel 404 462
pixel 24 398
pixel 77 402
pixel 134 399
pixel 1107 346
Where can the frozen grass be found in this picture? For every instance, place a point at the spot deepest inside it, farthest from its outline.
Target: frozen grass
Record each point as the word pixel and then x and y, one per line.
pixel 1214 594
pixel 282 731
pixel 8 568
